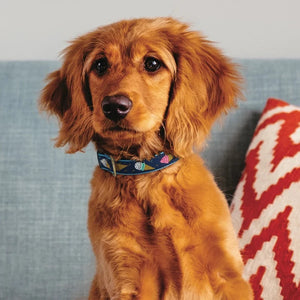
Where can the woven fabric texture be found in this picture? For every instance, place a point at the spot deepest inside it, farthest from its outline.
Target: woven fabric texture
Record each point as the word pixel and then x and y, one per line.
pixel 266 205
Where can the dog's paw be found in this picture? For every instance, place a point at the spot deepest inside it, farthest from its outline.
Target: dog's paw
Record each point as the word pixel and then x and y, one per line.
pixel 104 296
pixel 130 296
pixel 237 289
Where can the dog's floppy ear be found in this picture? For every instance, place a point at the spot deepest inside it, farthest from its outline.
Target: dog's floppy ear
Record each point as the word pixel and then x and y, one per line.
pixel 65 96
pixel 55 98
pixel 206 85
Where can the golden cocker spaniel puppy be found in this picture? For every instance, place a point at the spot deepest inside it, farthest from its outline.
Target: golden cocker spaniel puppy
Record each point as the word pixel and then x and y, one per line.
pixel 146 92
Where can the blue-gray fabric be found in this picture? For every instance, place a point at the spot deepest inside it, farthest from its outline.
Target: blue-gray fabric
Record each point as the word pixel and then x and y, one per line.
pixel 44 247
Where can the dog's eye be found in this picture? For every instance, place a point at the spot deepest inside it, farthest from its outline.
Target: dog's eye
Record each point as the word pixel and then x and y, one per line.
pixel 152 64
pixel 101 65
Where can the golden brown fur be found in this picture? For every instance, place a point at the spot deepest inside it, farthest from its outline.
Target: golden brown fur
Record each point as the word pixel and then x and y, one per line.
pixel 164 235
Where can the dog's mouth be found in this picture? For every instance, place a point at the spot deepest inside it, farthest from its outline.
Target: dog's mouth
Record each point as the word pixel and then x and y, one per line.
pixel 121 132
pixel 120 129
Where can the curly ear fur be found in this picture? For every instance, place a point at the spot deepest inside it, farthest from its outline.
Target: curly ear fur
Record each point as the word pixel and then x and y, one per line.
pixel 207 85
pixel 64 96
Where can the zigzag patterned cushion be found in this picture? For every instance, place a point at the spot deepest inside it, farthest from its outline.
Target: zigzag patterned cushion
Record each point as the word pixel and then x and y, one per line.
pixel 266 205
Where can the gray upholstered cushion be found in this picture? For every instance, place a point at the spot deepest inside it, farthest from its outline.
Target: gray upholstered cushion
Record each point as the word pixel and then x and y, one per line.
pixel 44 247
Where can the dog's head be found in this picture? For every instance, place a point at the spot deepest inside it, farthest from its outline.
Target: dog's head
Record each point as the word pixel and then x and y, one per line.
pixel 148 83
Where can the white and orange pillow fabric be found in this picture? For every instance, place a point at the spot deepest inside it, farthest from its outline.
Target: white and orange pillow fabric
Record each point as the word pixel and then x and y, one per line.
pixel 266 205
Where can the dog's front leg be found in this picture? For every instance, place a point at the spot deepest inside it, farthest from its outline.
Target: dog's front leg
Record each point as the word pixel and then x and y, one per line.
pixel 122 269
pixel 118 230
pixel 117 274
pixel 125 269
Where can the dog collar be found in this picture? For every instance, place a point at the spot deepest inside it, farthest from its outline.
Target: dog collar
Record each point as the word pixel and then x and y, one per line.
pixel 135 167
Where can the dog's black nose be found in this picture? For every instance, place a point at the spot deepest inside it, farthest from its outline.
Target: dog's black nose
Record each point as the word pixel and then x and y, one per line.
pixel 116 107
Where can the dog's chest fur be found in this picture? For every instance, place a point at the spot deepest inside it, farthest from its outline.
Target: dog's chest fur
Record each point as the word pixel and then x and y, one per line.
pixel 152 221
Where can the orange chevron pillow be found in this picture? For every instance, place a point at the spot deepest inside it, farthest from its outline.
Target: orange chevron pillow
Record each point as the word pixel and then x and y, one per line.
pixel 266 205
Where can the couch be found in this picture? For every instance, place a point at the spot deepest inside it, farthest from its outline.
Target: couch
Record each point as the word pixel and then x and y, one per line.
pixel 44 246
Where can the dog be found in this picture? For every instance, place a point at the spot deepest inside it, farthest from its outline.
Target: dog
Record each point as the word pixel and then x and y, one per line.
pixel 146 93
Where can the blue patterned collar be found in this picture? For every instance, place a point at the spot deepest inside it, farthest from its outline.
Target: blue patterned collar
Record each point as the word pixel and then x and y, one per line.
pixel 134 167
